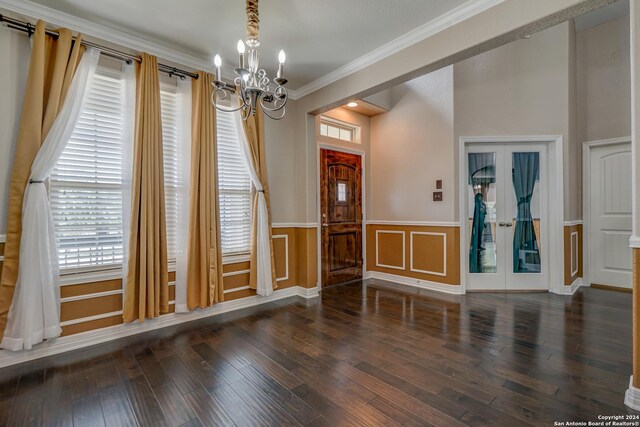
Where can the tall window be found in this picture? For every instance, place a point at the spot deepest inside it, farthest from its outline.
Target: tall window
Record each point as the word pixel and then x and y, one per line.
pixel 234 189
pixel 173 143
pixel 86 186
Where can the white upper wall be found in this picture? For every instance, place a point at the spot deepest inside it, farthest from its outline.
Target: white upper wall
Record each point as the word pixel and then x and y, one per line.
pixel 516 89
pixel 604 81
pixel 281 167
pixel 14 66
pixel 522 88
pixel 411 148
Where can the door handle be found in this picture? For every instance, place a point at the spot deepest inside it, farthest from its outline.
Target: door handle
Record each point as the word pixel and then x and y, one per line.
pixel 325 225
pixel 509 224
pixel 502 224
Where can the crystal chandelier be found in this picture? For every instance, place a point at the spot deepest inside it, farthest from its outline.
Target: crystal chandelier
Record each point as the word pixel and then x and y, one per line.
pixel 252 86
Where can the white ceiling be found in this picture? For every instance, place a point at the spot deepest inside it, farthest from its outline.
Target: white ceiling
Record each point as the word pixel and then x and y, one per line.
pixel 319 36
pixel 602 15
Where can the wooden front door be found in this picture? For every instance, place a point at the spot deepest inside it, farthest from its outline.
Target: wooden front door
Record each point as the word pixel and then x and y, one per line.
pixel 341 216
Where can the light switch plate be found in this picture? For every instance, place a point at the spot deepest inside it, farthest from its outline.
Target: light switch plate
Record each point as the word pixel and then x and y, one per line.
pixel 437 196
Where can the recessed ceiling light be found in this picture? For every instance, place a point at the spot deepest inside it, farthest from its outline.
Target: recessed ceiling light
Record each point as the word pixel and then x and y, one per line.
pixel 352 104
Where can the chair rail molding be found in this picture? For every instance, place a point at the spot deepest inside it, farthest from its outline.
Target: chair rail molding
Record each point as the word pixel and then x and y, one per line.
pixel 413 223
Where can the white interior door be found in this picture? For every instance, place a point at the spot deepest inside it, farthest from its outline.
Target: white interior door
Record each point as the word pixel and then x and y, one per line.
pixel 610 215
pixel 507 225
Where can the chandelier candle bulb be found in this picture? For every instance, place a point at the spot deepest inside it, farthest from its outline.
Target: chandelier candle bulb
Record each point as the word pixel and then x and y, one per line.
pixel 252 89
pixel 217 61
pixel 241 52
pixel 281 58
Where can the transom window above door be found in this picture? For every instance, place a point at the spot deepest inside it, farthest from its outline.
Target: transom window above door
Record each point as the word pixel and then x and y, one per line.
pixel 336 129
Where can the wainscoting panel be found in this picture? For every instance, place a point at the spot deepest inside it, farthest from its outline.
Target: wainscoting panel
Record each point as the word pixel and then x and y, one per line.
pixel 572 253
pixel 306 256
pixel 433 244
pixel 281 256
pixel 429 253
pixel 89 306
pixel 390 249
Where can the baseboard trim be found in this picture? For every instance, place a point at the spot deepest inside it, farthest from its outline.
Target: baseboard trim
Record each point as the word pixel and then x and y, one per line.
pixel 632 396
pixel 90 338
pixel 571 289
pixel 612 288
pixel 416 283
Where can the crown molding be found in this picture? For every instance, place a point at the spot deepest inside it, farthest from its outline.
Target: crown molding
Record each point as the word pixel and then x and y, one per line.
pixel 115 35
pixel 141 44
pixel 112 35
pixel 452 17
pixel 104 32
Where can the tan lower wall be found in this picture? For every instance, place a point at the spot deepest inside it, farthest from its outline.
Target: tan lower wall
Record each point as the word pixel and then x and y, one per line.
pixel 1 254
pixel 420 252
pixel 295 255
pixel 572 253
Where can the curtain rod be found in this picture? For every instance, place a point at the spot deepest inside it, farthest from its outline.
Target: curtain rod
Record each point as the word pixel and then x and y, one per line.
pixel 107 51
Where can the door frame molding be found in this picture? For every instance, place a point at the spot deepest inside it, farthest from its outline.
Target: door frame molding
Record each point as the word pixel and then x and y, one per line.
pixel 363 165
pixel 556 202
pixel 587 146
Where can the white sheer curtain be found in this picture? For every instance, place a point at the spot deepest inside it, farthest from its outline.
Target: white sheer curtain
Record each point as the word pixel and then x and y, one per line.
pixel 184 151
pixel 35 311
pixel 264 284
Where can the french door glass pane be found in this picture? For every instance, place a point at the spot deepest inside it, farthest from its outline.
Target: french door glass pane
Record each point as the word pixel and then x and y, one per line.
pixel 526 212
pixel 482 212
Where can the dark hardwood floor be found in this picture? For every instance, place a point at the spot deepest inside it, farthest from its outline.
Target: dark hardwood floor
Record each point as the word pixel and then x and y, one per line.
pixel 359 355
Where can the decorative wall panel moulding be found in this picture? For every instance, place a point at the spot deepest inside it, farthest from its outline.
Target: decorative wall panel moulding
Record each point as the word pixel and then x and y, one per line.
pixel 294 225
pixel 395 267
pixel 286 256
pixel 574 253
pixel 444 253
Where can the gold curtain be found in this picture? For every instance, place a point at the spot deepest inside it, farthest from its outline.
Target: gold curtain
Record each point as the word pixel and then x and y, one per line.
pixel 254 131
pixel 53 64
pixel 204 258
pixel 146 293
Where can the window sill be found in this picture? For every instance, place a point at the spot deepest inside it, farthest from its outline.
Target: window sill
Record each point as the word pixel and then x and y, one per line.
pixel 90 277
pixel 235 259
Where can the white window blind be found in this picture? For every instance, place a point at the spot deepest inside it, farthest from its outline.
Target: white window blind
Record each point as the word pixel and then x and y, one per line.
pixel 86 186
pixel 172 139
pixel 234 189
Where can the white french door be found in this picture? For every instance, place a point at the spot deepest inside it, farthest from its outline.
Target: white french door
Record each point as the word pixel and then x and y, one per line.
pixel 507 223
